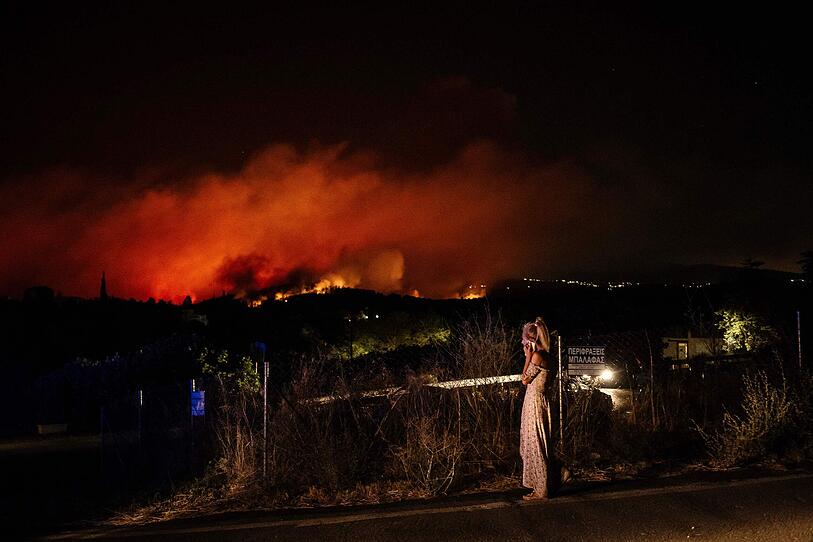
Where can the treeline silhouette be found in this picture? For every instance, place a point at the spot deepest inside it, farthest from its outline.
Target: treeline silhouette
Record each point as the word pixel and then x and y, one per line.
pixel 122 343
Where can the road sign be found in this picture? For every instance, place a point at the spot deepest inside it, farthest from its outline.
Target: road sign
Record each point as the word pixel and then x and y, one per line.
pixel 585 360
pixel 198 403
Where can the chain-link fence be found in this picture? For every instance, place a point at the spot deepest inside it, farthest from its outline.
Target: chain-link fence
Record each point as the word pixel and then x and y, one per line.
pixel 154 436
pixel 656 383
pixel 627 394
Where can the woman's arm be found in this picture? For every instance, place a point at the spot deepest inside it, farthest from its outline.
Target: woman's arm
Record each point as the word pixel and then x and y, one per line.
pixel 538 362
pixel 528 354
pixel 541 359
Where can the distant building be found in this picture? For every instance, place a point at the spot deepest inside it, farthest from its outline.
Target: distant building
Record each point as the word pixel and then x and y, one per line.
pixel 189 315
pixel 38 294
pixel 680 350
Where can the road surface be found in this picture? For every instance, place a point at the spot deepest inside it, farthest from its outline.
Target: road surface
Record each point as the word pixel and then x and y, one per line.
pixel 767 508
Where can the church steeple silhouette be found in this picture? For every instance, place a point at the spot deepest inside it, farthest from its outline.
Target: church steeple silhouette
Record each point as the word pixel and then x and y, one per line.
pixel 103 289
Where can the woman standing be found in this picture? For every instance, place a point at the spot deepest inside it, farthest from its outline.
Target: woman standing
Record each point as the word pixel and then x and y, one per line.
pixel 535 437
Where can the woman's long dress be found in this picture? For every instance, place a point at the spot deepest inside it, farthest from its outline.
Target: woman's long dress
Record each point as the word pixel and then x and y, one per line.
pixel 535 435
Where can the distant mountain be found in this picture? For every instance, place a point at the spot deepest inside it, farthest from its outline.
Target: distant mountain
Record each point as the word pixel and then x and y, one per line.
pixel 715 274
pixel 674 274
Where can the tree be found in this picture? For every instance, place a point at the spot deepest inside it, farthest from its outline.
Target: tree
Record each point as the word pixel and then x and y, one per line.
pixel 807 265
pixel 744 332
pixel 236 372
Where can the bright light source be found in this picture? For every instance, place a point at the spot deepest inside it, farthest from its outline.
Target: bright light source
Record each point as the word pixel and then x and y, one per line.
pixel 606 375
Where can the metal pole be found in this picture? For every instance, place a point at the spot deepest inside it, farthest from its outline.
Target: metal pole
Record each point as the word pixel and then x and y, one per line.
pixel 561 377
pixel 101 440
pixel 191 425
pixel 799 336
pixel 265 418
pixel 140 404
pixel 651 379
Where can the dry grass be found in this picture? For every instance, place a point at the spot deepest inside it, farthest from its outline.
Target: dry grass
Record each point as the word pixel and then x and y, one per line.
pixel 424 441
pixel 587 425
pixel 431 453
pixel 767 413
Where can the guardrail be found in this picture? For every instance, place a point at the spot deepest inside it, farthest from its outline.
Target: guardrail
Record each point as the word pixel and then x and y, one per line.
pixel 619 396
pixel 395 391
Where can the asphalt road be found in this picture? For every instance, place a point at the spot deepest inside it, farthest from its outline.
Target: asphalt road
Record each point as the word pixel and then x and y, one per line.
pixel 774 508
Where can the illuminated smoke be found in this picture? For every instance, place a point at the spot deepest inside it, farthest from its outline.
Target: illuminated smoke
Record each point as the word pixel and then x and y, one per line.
pixel 290 219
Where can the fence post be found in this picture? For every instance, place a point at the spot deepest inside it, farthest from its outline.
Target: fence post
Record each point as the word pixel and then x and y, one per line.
pixel 265 419
pixel 651 380
pixel 101 440
pixel 561 403
pixel 140 397
pixel 799 336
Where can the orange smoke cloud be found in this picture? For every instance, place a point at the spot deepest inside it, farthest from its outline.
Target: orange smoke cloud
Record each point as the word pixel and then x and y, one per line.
pixel 289 217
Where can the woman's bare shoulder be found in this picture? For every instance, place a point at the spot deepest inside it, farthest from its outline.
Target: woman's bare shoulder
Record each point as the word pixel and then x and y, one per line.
pixel 541 359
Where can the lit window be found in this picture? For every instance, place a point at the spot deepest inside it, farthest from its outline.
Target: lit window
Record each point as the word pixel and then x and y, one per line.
pixel 682 350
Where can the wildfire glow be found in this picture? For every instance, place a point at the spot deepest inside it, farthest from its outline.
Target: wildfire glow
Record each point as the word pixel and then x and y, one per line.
pixel 323 286
pixel 288 222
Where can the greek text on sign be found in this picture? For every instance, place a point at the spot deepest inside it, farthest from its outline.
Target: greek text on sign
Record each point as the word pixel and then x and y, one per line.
pixel 585 360
pixel 585 354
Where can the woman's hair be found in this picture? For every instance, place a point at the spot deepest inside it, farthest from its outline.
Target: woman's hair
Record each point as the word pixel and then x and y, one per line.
pixel 536 333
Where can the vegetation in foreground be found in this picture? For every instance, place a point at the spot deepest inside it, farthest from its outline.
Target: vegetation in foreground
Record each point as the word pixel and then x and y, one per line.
pixel 330 443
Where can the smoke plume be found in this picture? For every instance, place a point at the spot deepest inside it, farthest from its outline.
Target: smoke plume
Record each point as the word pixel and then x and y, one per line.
pixel 323 215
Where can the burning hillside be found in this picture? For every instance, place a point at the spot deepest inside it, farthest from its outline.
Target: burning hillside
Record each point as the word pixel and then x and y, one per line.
pixel 288 220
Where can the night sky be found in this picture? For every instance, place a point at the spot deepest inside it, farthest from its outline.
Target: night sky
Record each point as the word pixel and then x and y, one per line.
pixel 395 148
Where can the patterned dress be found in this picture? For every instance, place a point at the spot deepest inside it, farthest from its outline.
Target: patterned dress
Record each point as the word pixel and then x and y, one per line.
pixel 535 434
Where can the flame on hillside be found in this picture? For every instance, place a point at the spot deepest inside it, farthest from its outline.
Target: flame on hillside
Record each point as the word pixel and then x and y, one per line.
pixel 288 222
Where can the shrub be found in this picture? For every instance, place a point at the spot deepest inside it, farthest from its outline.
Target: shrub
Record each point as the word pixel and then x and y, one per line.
pixel 431 454
pixel 320 444
pixel 587 424
pixel 485 347
pixel 767 416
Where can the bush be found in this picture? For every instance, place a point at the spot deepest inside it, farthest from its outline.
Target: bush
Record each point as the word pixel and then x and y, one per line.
pixel 767 416
pixel 320 444
pixel 431 454
pixel 483 348
pixel 587 425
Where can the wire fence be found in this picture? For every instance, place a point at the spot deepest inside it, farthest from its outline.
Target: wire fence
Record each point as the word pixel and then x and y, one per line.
pixel 156 432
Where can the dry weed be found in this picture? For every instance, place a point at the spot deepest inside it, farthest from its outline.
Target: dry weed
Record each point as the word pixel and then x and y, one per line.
pixel 766 414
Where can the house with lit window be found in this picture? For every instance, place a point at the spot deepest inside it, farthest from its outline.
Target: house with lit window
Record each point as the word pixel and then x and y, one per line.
pixel 678 351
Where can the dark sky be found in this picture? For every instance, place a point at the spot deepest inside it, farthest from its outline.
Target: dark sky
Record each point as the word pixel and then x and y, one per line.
pixel 675 134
